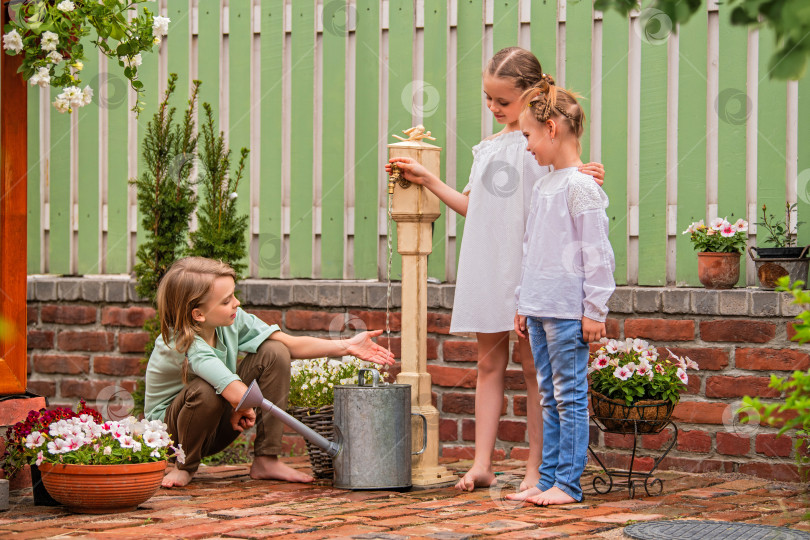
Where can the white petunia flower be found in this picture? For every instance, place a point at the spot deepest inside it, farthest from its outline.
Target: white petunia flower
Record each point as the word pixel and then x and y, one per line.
pixel 717 223
pixel 152 439
pixel 65 5
pixel 42 78
pixel 13 41
pixel 107 450
pixel 55 57
pixel 34 439
pixel 160 25
pixel 40 458
pixel 49 41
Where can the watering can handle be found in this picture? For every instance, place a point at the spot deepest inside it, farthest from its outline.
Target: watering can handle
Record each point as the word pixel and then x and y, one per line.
pixel 375 377
pixel 424 432
pixel 751 251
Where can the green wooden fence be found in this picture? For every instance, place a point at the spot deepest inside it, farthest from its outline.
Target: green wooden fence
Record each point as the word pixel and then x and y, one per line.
pixel 688 125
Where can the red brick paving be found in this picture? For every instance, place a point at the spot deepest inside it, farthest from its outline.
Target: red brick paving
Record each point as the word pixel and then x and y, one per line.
pixel 224 503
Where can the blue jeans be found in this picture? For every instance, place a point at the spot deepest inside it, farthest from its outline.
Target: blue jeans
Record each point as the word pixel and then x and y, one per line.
pixel 561 360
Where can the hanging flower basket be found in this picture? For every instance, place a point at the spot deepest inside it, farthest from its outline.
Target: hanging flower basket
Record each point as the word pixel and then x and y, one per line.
pixel 642 417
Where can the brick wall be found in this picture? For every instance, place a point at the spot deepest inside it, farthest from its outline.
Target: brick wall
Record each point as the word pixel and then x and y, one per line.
pixel 84 337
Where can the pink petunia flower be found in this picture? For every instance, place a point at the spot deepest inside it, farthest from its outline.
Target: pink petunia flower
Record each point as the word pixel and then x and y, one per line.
pixel 682 376
pixel 728 231
pixel 741 225
pixel 622 373
pixel 718 223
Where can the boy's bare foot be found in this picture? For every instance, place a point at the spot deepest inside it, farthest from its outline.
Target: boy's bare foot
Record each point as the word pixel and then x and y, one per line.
pixel 525 494
pixel 175 477
pixel 270 468
pixel 530 479
pixel 551 496
pixel 475 478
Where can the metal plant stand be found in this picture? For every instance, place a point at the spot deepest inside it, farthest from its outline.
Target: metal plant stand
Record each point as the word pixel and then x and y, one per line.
pixel 619 477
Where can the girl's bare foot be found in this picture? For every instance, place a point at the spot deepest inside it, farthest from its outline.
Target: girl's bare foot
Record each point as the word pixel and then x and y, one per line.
pixel 530 479
pixel 475 478
pixel 525 494
pixel 176 478
pixel 551 496
pixel 270 468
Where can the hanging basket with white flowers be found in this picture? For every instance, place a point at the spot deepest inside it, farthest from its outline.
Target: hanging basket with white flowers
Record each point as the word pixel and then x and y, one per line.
pixel 48 34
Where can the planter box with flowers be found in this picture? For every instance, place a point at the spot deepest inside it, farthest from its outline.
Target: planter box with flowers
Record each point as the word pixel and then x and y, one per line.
pixel 87 464
pixel 633 389
pixel 312 396
pixel 719 246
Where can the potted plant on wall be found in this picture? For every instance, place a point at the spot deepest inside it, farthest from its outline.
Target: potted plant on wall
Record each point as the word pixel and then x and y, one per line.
pixel 633 389
pixel 784 258
pixel 719 246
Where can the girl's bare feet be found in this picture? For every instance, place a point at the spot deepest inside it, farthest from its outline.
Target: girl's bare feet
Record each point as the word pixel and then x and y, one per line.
pixel 551 496
pixel 176 478
pixel 475 478
pixel 270 468
pixel 525 494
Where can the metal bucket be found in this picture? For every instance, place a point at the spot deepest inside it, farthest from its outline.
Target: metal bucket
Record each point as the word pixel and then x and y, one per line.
pixel 373 427
pixel 770 270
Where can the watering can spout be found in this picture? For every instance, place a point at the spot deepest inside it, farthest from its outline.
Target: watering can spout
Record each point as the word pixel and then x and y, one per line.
pixel 253 398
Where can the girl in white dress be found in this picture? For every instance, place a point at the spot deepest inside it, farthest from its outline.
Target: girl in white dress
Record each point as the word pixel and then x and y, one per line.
pixel 496 205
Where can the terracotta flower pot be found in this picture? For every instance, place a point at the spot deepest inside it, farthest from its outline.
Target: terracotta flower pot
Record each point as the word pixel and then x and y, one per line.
pixel 718 270
pixel 102 489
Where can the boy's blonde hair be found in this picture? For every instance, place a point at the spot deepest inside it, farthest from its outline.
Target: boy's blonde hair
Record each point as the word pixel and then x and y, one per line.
pixel 546 100
pixel 182 289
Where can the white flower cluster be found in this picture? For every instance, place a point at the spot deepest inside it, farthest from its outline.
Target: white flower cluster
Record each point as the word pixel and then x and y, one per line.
pixel 646 366
pixel 132 61
pixel 160 27
pixel 73 96
pixel 12 41
pixel 65 436
pixel 718 225
pixel 312 382
pixel 65 5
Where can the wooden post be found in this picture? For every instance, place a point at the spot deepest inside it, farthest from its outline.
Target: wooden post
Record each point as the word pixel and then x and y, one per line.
pixel 13 215
pixel 414 208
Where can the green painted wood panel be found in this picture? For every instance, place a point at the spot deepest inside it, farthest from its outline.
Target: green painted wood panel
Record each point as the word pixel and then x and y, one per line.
pixel 301 140
pixel 578 30
pixel 803 181
pixel 117 177
pixel 505 21
pixel 89 219
pixel 208 53
pixel 270 140
pixel 543 32
pixel 469 96
pixel 366 173
pixel 34 203
pixel 400 88
pixel 732 108
pixel 434 112
pixel 771 140
pixel 178 47
pixel 332 155
pixel 148 74
pixel 614 135
pixel 239 45
pixel 691 142
pixel 652 164
pixel 59 187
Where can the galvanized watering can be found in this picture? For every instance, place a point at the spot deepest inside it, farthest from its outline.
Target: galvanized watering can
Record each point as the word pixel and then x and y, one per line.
pixel 373 427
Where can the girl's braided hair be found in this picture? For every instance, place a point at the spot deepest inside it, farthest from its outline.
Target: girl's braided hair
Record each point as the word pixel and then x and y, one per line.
pixel 546 100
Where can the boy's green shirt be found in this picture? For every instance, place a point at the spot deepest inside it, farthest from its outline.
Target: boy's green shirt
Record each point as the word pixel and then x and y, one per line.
pixel 216 365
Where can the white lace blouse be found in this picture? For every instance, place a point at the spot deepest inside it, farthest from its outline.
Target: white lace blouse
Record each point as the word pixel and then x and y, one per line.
pixel 568 263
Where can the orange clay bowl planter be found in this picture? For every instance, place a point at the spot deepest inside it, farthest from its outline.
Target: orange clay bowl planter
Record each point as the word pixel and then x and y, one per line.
pixel 102 489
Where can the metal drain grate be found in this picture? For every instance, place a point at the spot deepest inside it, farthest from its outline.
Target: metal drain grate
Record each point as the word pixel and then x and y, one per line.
pixel 714 530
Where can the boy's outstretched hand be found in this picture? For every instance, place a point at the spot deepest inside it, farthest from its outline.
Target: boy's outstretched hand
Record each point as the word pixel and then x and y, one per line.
pixel 363 348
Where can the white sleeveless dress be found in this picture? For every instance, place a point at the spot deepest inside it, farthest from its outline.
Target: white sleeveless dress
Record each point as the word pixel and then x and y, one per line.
pixel 501 181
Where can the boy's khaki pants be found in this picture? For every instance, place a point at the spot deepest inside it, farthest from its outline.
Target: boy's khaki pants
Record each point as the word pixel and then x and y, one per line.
pixel 200 419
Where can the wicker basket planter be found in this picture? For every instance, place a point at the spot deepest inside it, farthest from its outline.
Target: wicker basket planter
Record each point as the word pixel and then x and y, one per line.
pixel 322 421
pixel 641 417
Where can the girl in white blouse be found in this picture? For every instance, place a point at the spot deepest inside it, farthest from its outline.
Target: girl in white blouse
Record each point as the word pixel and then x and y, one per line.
pixel 566 281
pixel 496 204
